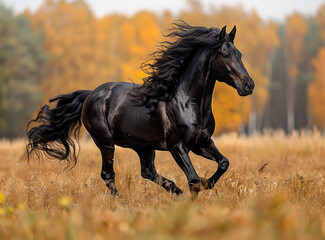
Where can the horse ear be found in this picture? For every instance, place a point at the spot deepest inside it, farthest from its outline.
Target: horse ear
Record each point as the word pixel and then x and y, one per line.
pixel 222 33
pixel 232 34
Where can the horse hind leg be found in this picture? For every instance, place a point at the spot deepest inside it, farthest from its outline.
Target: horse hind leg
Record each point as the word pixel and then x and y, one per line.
pixel 108 174
pixel 148 171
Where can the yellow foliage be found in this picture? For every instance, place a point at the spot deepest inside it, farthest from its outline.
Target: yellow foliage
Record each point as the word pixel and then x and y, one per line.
pixel 321 19
pixel 230 110
pixel 317 90
pixel 296 28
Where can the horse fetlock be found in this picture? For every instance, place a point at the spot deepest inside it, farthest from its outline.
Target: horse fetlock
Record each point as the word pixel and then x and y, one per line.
pixel 110 183
pixel 177 191
pixel 210 183
pixel 171 187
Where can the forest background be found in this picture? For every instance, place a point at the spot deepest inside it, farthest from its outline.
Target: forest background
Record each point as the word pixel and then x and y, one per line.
pixel 63 46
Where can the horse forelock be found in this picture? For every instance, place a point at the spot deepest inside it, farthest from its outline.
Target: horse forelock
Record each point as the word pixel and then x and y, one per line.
pixel 168 63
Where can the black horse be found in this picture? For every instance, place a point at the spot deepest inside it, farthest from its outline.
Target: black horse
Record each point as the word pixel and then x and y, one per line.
pixel 170 111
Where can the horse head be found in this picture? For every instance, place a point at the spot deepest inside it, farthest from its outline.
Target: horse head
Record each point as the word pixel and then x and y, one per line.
pixel 228 66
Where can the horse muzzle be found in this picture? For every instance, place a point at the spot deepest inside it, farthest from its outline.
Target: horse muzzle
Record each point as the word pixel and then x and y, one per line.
pixel 247 87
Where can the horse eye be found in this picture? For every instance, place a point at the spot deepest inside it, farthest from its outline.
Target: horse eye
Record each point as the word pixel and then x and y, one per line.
pixel 226 54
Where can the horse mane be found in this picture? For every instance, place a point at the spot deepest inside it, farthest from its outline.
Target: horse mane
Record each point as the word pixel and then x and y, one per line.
pixel 168 62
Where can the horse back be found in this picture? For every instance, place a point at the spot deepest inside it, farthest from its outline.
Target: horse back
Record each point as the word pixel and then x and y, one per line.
pixel 111 114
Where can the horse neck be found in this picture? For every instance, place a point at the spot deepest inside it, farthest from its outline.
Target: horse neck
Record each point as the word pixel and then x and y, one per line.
pixel 197 82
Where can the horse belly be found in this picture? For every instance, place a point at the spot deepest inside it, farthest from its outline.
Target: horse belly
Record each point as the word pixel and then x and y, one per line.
pixel 134 128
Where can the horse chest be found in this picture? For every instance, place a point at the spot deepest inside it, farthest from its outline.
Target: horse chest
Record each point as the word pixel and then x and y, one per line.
pixel 191 130
pixel 198 131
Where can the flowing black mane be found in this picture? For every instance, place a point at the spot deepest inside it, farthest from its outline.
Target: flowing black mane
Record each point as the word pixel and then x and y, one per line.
pixel 169 60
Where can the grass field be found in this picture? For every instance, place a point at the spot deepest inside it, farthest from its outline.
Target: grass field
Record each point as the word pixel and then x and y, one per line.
pixel 283 200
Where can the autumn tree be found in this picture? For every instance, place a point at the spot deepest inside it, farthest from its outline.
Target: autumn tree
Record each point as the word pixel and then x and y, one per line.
pixel 317 86
pixel 295 30
pixel 317 89
pixel 69 30
pixel 21 70
pixel 320 18
pixel 140 35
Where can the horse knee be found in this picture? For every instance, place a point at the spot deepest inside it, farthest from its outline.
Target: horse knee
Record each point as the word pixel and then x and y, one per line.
pixel 224 164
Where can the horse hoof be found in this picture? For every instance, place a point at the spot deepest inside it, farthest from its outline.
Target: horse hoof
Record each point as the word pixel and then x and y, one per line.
pixel 198 185
pixel 194 195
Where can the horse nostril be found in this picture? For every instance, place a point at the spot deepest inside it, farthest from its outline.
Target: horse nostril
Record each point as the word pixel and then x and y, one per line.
pixel 247 86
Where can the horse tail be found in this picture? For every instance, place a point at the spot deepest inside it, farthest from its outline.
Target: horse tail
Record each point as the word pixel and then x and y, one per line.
pixel 55 126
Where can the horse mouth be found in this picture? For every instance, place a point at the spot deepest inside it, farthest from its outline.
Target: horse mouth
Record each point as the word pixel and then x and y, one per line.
pixel 243 93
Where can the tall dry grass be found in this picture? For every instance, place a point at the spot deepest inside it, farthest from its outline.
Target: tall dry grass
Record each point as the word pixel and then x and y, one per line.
pixel 274 189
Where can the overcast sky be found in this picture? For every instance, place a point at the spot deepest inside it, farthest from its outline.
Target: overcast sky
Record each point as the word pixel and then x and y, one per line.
pixel 267 9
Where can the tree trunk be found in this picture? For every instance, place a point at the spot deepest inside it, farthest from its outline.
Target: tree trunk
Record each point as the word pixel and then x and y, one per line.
pixel 252 117
pixel 291 89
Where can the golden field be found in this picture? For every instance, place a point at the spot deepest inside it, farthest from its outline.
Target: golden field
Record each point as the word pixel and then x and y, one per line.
pixel 283 200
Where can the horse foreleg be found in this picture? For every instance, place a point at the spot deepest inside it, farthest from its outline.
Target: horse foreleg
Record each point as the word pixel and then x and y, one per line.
pixel 183 160
pixel 148 171
pixel 210 151
pixel 108 174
